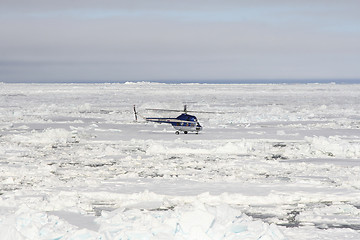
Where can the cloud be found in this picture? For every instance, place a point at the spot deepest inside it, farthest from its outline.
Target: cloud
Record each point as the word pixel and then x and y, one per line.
pixel 136 40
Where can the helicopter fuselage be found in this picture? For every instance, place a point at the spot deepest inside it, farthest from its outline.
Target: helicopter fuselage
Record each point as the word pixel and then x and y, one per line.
pixel 184 122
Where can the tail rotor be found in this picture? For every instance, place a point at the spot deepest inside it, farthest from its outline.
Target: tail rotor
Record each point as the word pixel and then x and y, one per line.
pixel 135 114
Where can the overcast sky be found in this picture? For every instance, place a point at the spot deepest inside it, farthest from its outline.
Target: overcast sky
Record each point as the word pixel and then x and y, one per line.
pixel 188 40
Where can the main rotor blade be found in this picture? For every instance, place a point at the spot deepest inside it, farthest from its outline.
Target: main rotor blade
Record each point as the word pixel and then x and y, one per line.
pixel 207 112
pixel 174 110
pixel 163 110
pixel 185 110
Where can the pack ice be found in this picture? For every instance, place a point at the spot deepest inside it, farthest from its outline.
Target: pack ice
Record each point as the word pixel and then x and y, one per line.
pixel 275 162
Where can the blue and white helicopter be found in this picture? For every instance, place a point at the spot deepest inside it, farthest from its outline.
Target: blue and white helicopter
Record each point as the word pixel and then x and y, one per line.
pixel 183 123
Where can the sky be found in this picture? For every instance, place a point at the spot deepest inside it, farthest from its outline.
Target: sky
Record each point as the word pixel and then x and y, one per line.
pixel 179 41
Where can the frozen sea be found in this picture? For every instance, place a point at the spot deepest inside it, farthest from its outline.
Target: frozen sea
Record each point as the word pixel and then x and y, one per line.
pixel 276 162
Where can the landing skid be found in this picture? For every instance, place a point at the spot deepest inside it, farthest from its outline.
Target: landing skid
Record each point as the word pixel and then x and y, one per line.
pixel 185 132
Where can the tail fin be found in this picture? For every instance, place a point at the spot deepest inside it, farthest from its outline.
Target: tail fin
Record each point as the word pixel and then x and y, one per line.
pixel 135 113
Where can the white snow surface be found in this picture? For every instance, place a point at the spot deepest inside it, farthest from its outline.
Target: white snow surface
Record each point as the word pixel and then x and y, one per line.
pixel 276 162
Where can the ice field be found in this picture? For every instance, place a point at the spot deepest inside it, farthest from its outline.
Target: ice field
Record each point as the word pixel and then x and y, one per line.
pixel 278 161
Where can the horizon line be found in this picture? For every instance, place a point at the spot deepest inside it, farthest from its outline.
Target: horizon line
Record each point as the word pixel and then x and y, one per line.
pixel 255 81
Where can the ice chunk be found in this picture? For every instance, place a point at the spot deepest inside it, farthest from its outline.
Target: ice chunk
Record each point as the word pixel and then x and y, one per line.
pixel 196 220
pixel 8 230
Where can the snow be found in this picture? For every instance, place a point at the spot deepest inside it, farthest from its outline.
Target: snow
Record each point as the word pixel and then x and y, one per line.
pixel 196 221
pixel 282 162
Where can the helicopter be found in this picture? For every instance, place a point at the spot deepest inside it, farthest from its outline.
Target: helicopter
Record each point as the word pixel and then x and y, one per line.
pixel 183 123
